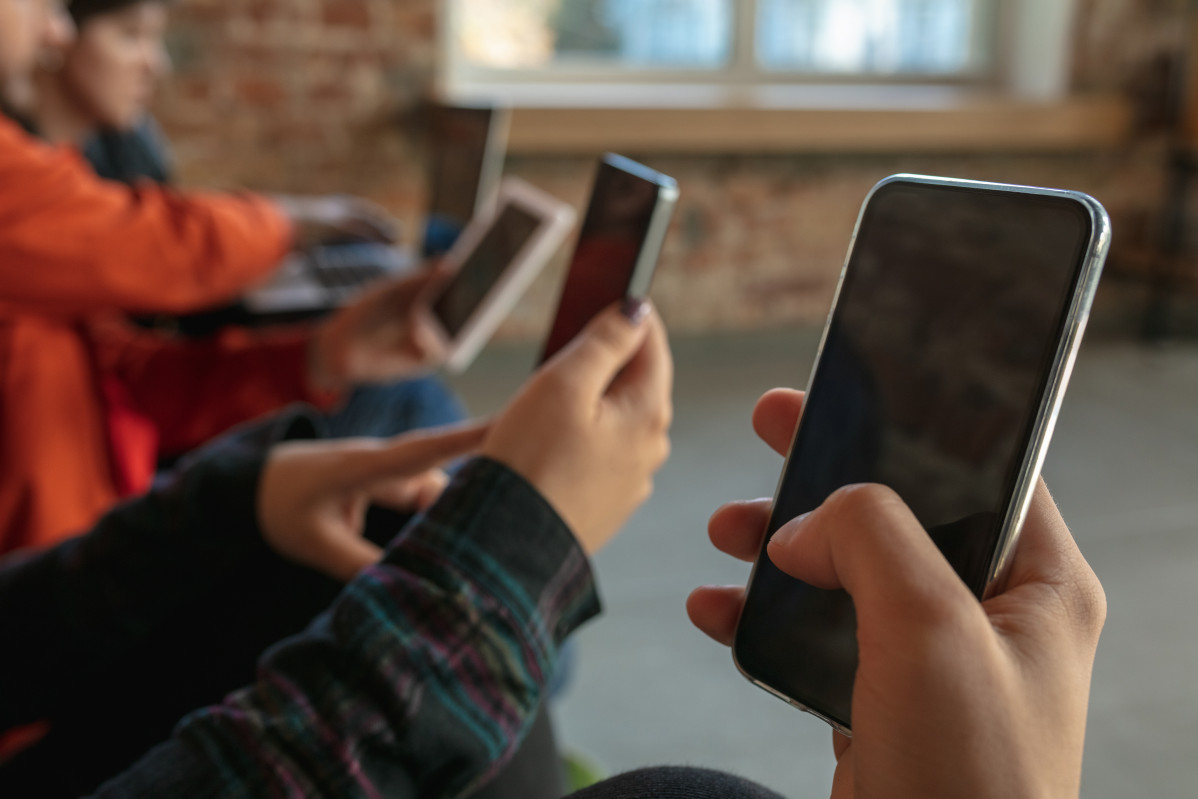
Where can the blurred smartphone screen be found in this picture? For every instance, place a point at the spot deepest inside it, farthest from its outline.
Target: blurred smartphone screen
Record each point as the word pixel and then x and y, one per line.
pixel 626 201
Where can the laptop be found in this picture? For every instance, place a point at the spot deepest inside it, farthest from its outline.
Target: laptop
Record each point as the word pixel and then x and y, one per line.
pixel 467 146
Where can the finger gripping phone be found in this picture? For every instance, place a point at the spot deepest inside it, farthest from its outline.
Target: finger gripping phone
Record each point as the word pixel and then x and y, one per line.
pixel 941 372
pixel 618 247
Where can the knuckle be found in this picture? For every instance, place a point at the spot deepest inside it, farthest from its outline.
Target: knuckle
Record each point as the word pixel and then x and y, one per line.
pixel 946 606
pixel 868 518
pixel 557 383
pixel 605 334
pixel 665 449
pixel 553 380
pixel 1086 602
pixel 664 416
pixel 864 504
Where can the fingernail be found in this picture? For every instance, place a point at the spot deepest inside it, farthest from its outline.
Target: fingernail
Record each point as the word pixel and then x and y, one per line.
pixel 787 532
pixel 635 310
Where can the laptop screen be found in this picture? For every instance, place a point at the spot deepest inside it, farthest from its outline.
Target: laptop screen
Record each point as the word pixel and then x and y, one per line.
pixel 465 160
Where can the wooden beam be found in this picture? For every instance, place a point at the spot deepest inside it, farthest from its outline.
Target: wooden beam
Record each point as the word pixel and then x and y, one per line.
pixel 983 125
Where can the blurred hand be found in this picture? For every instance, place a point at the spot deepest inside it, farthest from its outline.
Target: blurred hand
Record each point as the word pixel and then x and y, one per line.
pixel 376 339
pixel 337 218
pixel 952 697
pixel 590 428
pixel 313 495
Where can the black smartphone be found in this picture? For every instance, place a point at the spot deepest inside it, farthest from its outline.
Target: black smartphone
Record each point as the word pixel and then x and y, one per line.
pixel 625 225
pixel 941 372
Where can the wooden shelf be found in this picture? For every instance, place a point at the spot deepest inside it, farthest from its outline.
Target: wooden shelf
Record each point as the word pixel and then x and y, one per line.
pixel 985 124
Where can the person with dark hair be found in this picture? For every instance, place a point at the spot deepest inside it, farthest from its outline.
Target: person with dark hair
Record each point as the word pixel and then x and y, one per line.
pixel 88 403
pixel 94 93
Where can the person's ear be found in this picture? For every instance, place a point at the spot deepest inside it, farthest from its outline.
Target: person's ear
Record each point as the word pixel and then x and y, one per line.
pixel 59 31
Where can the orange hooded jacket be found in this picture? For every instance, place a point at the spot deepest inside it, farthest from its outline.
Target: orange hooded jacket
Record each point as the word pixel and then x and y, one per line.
pixel 86 402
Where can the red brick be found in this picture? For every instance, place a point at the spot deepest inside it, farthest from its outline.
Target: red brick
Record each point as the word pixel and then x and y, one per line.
pixel 346 13
pixel 261 93
pixel 276 100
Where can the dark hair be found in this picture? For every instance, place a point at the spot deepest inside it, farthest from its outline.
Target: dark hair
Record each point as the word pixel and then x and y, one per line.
pixel 82 10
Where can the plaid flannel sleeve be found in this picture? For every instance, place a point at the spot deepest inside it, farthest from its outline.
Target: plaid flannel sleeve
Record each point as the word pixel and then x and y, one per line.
pixel 422 678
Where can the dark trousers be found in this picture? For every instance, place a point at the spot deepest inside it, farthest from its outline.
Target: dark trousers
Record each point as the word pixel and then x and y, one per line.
pixel 211 646
pixel 675 783
pixel 209 650
pixel 387 410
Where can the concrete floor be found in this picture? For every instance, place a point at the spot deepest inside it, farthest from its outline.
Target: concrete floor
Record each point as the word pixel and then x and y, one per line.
pixel 649 689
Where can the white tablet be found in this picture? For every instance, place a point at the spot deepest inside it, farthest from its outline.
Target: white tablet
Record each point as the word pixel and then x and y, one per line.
pixel 497 256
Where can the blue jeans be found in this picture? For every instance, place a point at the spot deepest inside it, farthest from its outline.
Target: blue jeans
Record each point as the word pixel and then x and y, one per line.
pixel 388 410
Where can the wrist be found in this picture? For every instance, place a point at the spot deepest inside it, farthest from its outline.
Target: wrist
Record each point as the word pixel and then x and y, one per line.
pixel 541 481
pixel 523 533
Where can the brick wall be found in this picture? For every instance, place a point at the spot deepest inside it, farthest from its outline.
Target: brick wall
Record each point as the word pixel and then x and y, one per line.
pixel 313 96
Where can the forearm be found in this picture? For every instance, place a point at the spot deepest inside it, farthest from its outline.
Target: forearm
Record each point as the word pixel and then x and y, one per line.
pixel 74 608
pixel 73 243
pixel 423 677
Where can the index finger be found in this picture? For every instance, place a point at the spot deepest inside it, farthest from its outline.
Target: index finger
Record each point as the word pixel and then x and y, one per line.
pixel 413 453
pixel 776 416
pixel 605 346
pixel 394 296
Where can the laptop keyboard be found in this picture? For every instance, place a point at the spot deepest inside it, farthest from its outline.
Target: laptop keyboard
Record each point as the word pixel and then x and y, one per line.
pixel 327 277
pixel 345 267
pixel 345 277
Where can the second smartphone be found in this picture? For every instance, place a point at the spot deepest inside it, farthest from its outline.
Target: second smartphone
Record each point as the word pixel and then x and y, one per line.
pixel 626 223
pixel 940 375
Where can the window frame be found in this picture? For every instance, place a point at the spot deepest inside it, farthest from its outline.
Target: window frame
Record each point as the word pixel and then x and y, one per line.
pixel 1025 104
pixel 744 71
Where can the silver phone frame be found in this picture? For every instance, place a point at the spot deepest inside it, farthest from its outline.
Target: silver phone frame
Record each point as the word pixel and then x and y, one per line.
pixel 659 220
pixel 1059 373
pixel 649 254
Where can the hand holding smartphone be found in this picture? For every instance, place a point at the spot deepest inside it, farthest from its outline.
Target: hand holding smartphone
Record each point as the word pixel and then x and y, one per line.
pixel 625 226
pixel 952 698
pixel 501 251
pixel 941 372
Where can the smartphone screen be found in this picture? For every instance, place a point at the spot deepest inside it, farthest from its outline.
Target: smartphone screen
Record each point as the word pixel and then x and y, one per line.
pixel 512 229
pixel 614 233
pixel 930 380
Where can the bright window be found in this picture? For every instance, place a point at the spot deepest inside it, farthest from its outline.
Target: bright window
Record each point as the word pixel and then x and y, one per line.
pixel 874 37
pixel 739 41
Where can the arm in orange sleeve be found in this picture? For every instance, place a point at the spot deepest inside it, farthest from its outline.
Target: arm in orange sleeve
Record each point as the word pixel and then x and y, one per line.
pixel 195 389
pixel 71 243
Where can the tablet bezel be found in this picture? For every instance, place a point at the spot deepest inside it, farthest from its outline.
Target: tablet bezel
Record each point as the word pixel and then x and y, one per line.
pixel 555 220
